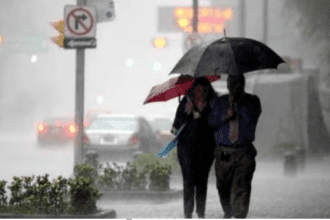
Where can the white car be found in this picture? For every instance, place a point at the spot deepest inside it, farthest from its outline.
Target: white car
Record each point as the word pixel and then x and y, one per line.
pixel 118 138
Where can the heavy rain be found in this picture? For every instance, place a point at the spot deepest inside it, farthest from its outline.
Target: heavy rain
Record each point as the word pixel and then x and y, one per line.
pixel 137 44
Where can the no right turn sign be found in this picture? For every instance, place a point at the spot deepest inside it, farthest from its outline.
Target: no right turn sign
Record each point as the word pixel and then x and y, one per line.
pixel 79 22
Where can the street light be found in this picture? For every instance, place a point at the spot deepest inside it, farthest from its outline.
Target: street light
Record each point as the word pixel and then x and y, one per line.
pixel 159 42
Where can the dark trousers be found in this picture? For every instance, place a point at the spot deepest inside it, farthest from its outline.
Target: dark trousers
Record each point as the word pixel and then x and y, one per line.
pixel 234 171
pixel 195 165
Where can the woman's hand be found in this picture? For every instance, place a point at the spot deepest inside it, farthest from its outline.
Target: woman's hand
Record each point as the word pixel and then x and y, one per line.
pixel 190 107
pixel 174 131
pixel 196 114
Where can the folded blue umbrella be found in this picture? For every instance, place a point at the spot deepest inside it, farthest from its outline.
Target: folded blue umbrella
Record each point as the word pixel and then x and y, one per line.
pixel 170 145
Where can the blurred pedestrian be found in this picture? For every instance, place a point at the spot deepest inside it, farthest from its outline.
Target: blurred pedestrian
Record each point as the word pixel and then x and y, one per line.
pixel 195 145
pixel 234 118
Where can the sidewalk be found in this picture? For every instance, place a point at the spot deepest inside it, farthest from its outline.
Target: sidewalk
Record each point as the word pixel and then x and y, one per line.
pixel 166 210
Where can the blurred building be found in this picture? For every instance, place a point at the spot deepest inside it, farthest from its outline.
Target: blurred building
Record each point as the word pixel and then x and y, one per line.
pixel 293 111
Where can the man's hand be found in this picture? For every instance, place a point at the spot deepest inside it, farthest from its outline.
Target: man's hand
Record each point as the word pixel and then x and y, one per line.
pixel 230 115
pixel 232 110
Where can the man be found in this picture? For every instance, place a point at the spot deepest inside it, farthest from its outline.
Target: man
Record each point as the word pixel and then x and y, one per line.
pixel 234 118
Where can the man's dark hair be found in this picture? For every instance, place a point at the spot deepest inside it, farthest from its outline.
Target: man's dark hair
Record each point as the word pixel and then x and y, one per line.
pixel 240 78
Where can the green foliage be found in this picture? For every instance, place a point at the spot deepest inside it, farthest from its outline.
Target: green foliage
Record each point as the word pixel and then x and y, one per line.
pixel 30 195
pixel 159 177
pixel 3 197
pixel 131 179
pixel 58 194
pixel 109 179
pixel 16 192
pixel 134 176
pixel 145 160
pixel 41 196
pixel 85 169
pixel 83 194
pixel 123 178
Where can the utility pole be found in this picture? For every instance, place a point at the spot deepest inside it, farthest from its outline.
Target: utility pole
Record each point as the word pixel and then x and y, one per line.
pixel 79 105
pixel 242 25
pixel 195 16
pixel 265 23
pixel 193 39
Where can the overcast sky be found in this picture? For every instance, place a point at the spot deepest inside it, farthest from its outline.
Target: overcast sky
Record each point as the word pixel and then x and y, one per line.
pixel 124 66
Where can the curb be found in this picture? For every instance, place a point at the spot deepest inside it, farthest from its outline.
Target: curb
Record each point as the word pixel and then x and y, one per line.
pixel 145 196
pixel 101 214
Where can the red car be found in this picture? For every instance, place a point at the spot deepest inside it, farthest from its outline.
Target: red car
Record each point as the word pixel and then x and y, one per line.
pixel 56 130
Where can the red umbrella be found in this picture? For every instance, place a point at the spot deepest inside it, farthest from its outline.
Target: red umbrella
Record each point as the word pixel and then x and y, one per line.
pixel 174 87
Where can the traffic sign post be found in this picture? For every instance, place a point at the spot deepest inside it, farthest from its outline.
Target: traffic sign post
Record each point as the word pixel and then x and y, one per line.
pixel 80 27
pixel 78 16
pixel 79 33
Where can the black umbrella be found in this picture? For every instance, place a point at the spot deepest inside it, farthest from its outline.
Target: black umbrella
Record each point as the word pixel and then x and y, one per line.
pixel 227 55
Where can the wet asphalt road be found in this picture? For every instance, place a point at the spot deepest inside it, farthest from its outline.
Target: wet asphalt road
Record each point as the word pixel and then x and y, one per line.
pixel 273 195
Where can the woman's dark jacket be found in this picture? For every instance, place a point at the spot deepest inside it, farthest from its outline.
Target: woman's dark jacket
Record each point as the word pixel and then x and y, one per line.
pixel 196 131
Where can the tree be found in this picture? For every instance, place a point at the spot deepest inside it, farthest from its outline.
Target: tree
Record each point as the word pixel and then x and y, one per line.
pixel 314 17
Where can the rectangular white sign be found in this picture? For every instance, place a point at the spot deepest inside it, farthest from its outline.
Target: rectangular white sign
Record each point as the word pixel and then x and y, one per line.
pixel 105 9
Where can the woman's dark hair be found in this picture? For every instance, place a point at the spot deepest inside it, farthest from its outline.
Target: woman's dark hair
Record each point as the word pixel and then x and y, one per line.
pixel 204 82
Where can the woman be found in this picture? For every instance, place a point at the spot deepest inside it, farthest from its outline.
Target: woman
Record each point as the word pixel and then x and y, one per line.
pixel 195 145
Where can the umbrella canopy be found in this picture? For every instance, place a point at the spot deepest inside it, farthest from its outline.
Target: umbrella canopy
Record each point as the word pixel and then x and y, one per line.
pixel 227 55
pixel 173 87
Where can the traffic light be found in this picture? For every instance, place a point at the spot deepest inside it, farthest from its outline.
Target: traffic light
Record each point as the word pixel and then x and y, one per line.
pixel 209 19
pixel 159 42
pixel 59 38
pixel 1 39
pixel 179 19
